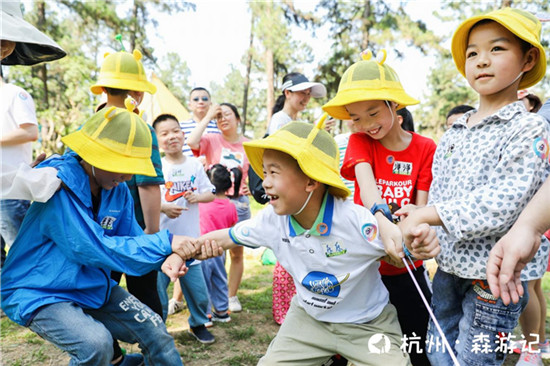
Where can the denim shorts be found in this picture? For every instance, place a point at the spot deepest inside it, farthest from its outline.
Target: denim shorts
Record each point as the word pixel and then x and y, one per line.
pixel 476 324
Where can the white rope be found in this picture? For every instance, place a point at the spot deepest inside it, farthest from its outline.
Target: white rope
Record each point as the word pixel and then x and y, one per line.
pixel 445 342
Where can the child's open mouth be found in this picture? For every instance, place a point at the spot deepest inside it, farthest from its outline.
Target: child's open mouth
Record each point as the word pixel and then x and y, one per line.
pixel 375 131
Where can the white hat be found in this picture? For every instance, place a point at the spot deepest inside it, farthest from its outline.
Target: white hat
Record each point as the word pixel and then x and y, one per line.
pixel 298 82
pixel 32 46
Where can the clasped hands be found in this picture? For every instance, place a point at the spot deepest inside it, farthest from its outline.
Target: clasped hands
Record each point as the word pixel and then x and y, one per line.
pixel 185 248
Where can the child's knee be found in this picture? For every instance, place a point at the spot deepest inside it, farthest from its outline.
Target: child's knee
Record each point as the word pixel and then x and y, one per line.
pixel 97 346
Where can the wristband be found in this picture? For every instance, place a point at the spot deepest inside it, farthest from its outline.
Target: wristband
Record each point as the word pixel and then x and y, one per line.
pixel 409 256
pixel 384 208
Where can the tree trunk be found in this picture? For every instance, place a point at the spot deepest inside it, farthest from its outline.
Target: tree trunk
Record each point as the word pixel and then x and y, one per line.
pixel 133 27
pixel 247 76
pixel 367 23
pixel 270 84
pixel 42 70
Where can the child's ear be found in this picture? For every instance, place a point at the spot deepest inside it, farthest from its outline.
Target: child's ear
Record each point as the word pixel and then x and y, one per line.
pixel 312 185
pixel 531 58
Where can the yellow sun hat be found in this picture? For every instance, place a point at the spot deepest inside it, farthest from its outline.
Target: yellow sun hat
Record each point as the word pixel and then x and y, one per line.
pixel 123 70
pixel 313 148
pixel 116 140
pixel 368 79
pixel 523 24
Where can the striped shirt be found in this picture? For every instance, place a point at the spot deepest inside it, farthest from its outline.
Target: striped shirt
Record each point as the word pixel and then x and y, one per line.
pixel 188 126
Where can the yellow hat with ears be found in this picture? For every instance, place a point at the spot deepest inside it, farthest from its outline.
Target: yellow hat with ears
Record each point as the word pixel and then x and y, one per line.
pixel 368 79
pixel 116 140
pixel 313 148
pixel 123 70
pixel 523 24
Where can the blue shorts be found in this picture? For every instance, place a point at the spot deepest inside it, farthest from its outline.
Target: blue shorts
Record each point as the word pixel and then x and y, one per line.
pixel 475 323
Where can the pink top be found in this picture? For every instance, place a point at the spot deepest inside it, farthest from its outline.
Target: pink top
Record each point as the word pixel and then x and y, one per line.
pixel 216 215
pixel 217 150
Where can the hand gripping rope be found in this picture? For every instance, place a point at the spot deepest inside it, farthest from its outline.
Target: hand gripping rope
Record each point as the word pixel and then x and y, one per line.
pixel 409 257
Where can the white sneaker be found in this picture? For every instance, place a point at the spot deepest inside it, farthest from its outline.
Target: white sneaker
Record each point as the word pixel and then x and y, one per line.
pixel 529 359
pixel 234 304
pixel 175 306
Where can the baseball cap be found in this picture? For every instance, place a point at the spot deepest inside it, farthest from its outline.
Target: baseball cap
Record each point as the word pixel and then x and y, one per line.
pixel 297 82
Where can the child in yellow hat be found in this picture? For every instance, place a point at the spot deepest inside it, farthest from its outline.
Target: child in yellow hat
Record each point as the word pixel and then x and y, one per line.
pixel 329 245
pixel 389 166
pixel 486 168
pixel 87 229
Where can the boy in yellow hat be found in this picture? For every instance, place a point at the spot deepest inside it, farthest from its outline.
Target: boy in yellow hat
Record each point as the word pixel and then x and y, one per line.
pixel 56 279
pixel 486 168
pixel 331 248
pixel 389 166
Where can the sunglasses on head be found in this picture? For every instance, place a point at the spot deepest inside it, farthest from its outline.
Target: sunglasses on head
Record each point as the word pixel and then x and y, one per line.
pixel 204 99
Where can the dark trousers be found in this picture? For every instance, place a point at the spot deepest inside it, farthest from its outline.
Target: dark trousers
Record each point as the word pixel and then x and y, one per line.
pixel 411 311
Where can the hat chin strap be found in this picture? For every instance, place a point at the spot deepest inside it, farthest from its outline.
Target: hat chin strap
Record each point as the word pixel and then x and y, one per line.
pixel 517 77
pixel 305 204
pixel 93 171
pixel 392 114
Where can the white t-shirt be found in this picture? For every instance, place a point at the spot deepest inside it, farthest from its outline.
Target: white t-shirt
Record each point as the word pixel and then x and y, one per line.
pixel 278 120
pixel 180 178
pixel 334 264
pixel 17 108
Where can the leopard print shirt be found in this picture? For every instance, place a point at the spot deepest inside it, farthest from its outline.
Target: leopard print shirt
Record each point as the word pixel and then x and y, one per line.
pixel 483 177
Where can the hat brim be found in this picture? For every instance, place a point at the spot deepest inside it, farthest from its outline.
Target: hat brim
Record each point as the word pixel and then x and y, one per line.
pixel 32 46
pixel 290 144
pixel 318 90
pixel 142 86
pixel 460 40
pixel 336 107
pixel 101 157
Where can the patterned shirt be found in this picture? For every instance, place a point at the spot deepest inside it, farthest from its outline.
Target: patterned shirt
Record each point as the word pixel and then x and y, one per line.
pixel 483 177
pixel 188 126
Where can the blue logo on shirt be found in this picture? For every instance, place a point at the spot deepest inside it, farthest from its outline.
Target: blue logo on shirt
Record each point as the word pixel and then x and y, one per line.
pixel 323 283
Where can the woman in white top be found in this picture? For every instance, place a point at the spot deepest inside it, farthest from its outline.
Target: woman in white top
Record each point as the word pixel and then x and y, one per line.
pixel 297 90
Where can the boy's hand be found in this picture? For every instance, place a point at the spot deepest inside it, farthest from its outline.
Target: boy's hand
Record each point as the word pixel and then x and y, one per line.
pixel 184 246
pixel 174 267
pixel 191 197
pixel 172 210
pixel 421 239
pixel 392 239
pixel 329 124
pixel 209 249
pixel 506 261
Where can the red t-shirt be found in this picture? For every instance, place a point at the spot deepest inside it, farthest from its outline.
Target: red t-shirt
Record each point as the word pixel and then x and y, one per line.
pixel 399 174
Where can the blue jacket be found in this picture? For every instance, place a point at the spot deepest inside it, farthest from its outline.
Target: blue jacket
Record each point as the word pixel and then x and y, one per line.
pixel 65 253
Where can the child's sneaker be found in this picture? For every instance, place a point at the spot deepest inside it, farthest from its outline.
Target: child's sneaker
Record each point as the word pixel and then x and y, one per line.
pixel 175 306
pixel 235 304
pixel 202 334
pixel 544 349
pixel 133 359
pixel 529 359
pixel 221 318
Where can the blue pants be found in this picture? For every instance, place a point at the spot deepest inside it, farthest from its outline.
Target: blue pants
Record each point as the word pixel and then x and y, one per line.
pixel 195 293
pixel 12 213
pixel 85 334
pixel 216 282
pixel 471 319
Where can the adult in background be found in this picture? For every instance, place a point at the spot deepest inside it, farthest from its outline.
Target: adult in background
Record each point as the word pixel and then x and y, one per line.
pixel 20 44
pixel 226 149
pixel 200 102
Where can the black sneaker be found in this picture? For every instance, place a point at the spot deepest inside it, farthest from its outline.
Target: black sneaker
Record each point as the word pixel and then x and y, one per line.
pixel 221 318
pixel 202 334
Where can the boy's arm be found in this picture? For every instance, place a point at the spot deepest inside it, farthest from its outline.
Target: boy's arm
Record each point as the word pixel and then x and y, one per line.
pixel 204 197
pixel 174 267
pixel 194 138
pixel 221 237
pixel 389 232
pixel 149 196
pixel 511 253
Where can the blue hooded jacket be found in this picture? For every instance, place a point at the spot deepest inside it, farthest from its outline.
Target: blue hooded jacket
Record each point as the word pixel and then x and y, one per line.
pixel 65 253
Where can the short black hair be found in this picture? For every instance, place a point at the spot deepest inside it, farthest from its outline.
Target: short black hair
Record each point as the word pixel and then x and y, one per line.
pixel 163 117
pixel 115 91
pixel 199 88
pixel 463 108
